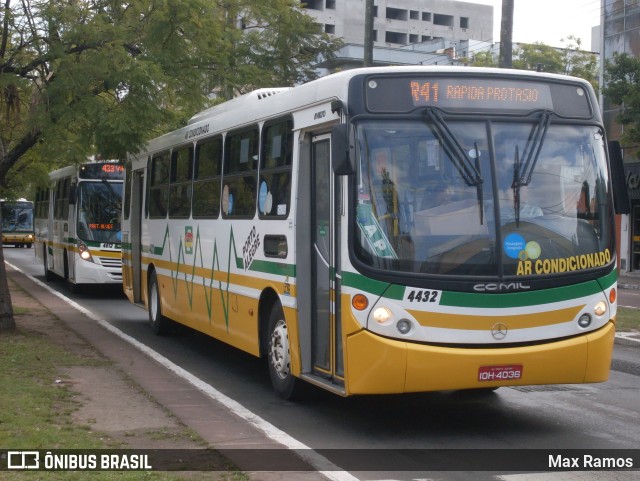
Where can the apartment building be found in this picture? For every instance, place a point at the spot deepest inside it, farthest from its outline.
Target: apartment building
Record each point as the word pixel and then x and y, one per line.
pixel 403 22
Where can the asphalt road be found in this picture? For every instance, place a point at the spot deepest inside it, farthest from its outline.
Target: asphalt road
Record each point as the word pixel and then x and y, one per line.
pixel 580 417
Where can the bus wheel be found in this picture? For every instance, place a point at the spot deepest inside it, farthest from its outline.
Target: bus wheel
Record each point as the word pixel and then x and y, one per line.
pixel 48 275
pixel 279 356
pixel 159 323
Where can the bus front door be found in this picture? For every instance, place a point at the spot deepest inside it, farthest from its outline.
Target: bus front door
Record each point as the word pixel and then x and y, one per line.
pixel 326 332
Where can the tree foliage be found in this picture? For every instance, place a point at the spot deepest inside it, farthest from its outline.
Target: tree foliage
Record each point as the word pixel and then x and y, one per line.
pixel 570 60
pixel 100 77
pixel 622 87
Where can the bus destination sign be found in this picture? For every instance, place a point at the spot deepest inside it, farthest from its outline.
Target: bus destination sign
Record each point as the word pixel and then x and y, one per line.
pixel 463 93
pixel 493 94
pixel 102 170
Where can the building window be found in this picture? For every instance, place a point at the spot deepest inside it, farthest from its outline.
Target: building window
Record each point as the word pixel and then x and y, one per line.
pixel 445 20
pixel 328 28
pixel 330 5
pixel 464 22
pixel 426 16
pixel 414 38
pixel 396 14
pixel 396 37
pixel 426 38
pixel 313 4
pixel 414 15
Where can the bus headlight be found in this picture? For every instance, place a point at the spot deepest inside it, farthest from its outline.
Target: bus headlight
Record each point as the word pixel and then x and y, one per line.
pixel 382 315
pixel 600 308
pixel 83 250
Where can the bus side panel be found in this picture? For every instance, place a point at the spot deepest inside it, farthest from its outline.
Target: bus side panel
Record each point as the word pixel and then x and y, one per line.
pixel 212 275
pixel 398 367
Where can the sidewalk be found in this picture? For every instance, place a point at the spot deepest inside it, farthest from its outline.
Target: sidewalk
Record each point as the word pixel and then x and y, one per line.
pixel 135 398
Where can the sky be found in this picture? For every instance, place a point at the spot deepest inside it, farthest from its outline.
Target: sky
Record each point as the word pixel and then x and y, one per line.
pixel 548 21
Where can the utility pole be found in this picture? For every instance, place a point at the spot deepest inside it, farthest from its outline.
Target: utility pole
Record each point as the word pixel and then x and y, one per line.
pixel 506 35
pixel 368 33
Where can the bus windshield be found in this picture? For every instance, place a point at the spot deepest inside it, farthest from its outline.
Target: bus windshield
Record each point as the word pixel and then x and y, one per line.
pixel 99 211
pixel 482 198
pixel 17 217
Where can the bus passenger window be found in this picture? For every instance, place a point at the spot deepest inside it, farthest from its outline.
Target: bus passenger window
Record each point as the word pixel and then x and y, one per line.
pixel 206 178
pixel 239 180
pixel 274 190
pixel 180 187
pixel 159 186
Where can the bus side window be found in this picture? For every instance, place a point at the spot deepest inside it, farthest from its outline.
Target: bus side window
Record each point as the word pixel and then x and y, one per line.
pixel 239 179
pixel 207 166
pixel 180 183
pixel 274 194
pixel 159 186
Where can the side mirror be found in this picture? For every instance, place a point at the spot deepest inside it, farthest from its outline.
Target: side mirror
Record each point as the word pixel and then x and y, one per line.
pixel 341 150
pixel 621 203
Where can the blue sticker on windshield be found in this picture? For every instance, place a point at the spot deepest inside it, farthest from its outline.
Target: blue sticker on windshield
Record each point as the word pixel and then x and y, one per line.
pixel 514 244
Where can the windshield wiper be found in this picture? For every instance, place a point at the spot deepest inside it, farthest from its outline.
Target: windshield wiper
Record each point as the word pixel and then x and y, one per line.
pixel 470 171
pixel 522 173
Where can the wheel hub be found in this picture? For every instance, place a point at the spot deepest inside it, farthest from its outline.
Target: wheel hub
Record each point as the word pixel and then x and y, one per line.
pixel 279 350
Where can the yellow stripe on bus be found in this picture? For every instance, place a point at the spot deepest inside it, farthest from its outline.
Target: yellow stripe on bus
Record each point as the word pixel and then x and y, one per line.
pixel 516 321
pixel 218 276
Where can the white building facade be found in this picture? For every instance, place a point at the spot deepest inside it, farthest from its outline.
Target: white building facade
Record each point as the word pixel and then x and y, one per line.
pixel 399 23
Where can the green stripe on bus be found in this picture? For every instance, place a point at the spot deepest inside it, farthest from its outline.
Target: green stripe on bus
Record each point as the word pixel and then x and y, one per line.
pixel 377 288
pixel 486 300
pixel 271 267
pixel 520 299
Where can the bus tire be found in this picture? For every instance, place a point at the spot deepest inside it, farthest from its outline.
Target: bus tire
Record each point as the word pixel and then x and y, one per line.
pixel 159 324
pixel 283 381
pixel 48 275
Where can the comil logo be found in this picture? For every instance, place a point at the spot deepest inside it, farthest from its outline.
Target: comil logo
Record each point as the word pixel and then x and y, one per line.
pixel 23 460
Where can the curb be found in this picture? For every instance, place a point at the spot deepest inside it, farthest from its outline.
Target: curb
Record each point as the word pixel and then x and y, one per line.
pixel 629 339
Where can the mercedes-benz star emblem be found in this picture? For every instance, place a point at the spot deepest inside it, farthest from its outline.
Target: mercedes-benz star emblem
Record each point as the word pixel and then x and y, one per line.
pixel 499 331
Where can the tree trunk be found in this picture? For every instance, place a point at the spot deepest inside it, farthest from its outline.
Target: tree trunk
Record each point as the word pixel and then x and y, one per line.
pixel 7 322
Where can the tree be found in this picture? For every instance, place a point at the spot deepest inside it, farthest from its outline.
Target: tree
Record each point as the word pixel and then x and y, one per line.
pixel 569 60
pixel 622 87
pixel 101 77
pixel 578 62
pixel 538 56
pixel 483 59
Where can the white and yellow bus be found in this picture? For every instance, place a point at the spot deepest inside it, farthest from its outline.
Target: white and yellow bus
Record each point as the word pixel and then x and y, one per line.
pixel 387 230
pixel 17 222
pixel 78 219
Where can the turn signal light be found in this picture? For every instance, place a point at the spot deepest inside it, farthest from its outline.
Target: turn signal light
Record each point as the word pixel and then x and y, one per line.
pixel 359 302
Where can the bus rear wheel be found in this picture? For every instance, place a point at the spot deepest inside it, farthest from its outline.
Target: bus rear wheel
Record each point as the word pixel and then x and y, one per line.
pixel 279 356
pixel 48 275
pixel 159 324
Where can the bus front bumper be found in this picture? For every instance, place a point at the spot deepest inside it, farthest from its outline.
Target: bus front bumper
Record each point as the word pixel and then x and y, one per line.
pixel 377 365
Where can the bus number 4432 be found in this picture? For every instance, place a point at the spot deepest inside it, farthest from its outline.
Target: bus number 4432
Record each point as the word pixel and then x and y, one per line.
pixel 423 296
